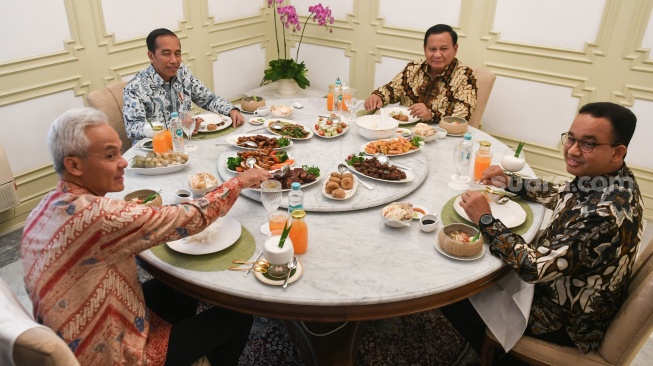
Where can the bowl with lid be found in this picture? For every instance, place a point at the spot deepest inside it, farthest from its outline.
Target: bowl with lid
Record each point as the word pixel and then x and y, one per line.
pixel 454 125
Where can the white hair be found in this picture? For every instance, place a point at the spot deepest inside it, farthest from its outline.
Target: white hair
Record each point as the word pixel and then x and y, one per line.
pixel 67 135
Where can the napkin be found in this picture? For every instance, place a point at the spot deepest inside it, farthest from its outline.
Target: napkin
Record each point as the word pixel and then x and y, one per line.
pixel 505 308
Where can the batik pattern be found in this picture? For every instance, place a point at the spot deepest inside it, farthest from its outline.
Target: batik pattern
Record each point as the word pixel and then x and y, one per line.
pixel 452 93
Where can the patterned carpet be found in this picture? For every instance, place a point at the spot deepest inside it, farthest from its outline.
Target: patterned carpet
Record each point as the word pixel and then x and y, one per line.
pixel 422 339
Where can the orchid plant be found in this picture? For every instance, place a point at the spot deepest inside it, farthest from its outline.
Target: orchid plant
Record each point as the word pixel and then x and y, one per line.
pixel 285 67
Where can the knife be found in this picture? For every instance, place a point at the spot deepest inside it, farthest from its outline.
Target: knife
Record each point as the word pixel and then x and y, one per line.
pixel 253 265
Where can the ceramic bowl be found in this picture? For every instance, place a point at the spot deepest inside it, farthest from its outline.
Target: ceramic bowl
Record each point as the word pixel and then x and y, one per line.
pixel 283 111
pixel 440 132
pixel 372 127
pixel 143 194
pixel 248 104
pixel 454 125
pixel 458 248
pixel 394 221
pixel 427 138
pixel 210 182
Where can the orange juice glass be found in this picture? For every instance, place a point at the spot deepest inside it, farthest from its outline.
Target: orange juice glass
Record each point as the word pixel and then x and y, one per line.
pixel 277 220
pixel 159 140
pixel 481 163
pixel 299 232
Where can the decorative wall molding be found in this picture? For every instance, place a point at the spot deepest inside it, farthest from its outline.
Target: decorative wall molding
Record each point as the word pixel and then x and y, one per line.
pixel 209 20
pixel 640 57
pixel 74 83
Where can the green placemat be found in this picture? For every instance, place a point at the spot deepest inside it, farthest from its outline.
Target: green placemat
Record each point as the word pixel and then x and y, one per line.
pixel 216 134
pixel 243 249
pixel 449 215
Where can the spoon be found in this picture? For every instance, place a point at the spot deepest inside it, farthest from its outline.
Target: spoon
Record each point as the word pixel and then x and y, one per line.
pixel 250 162
pixel 291 266
pixel 248 143
pixel 281 173
pixel 383 159
pixel 276 126
pixel 260 269
pixel 342 168
pixel 260 262
pixel 503 200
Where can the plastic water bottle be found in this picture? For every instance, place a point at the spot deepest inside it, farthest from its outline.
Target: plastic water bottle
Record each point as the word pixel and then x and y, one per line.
pixel 177 132
pixel 337 96
pixel 466 149
pixel 295 198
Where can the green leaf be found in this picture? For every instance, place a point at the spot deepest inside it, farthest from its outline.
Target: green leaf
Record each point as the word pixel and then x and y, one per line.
pixel 151 197
pixel 519 147
pixel 234 162
pixel 284 234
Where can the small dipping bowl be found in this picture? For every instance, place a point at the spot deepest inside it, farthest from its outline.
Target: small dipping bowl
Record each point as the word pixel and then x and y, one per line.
pixel 183 196
pixel 429 223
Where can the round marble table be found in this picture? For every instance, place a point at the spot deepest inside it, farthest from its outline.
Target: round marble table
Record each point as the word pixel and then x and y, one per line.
pixel 356 268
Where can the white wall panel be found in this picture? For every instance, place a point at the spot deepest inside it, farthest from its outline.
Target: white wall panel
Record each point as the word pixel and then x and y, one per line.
pixel 419 14
pixel 530 111
pixel 647 42
pixel 387 69
pixel 238 70
pixel 25 32
pixel 639 149
pixel 324 64
pixel 556 23
pixel 36 116
pixel 224 10
pixel 126 20
pixel 339 8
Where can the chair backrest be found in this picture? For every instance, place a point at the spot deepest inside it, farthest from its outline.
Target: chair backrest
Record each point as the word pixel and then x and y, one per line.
pixel 110 101
pixel 633 324
pixel 25 342
pixel 484 82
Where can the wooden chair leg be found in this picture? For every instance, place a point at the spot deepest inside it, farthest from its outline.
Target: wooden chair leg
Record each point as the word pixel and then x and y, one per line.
pixel 487 351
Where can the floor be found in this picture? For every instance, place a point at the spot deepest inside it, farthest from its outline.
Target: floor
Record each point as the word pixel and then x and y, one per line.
pixel 11 272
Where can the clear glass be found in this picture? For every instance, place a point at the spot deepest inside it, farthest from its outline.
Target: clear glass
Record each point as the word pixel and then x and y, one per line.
pixel 350 100
pixel 271 199
pixel 462 167
pixel 513 163
pixel 188 126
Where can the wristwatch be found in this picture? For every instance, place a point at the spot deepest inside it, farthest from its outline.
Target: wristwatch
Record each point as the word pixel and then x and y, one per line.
pixel 486 220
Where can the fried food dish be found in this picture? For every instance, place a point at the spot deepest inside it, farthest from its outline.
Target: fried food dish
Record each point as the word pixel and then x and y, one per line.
pixel 373 168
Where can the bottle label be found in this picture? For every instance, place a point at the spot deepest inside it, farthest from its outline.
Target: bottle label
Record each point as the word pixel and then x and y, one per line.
pixel 179 132
pixel 292 208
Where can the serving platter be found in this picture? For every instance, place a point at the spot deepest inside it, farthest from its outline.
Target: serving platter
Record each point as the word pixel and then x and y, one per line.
pixel 410 175
pixel 273 170
pixel 303 185
pixel 212 118
pixel 160 170
pixel 287 122
pixel 233 140
pixel 400 110
pixel 321 119
pixel 349 193
pixel 363 146
pixel 220 235
pixel 510 213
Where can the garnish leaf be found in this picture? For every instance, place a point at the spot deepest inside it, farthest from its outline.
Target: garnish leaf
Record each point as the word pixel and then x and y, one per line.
pixel 151 197
pixel 519 147
pixel 284 234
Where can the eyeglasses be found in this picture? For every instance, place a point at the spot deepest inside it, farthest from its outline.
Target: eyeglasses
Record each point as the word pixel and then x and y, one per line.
pixel 583 145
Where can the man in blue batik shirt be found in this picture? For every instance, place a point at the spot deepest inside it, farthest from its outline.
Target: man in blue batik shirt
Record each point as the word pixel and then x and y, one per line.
pixel 167 86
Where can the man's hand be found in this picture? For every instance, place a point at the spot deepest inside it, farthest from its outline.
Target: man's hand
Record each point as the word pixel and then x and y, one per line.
pixel 237 119
pixel 421 111
pixel 475 205
pixel 373 102
pixel 495 176
pixel 252 178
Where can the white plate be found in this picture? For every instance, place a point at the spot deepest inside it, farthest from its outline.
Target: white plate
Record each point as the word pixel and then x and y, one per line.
pixel 287 121
pixel 160 170
pixel 439 248
pixel 510 213
pixel 409 175
pixel 288 190
pixel 315 131
pixel 456 134
pixel 274 170
pixel 362 148
pixel 402 110
pixel 418 215
pixel 257 121
pixel 213 118
pixel 348 192
pixel 233 140
pixel 222 233
pixel 142 144
pixel 403 132
pixel 279 282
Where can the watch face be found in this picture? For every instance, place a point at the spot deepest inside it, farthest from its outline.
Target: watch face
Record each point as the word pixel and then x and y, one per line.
pixel 486 219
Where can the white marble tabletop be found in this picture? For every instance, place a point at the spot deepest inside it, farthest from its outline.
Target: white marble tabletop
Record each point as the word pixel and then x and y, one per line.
pixel 352 257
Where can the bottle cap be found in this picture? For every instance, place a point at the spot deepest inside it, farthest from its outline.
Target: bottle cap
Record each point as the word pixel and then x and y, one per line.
pixel 295 185
pixel 485 143
pixel 338 82
pixel 298 214
pixel 468 136
pixel 174 115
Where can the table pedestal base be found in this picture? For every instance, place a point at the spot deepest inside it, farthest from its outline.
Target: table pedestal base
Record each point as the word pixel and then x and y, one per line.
pixel 326 343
